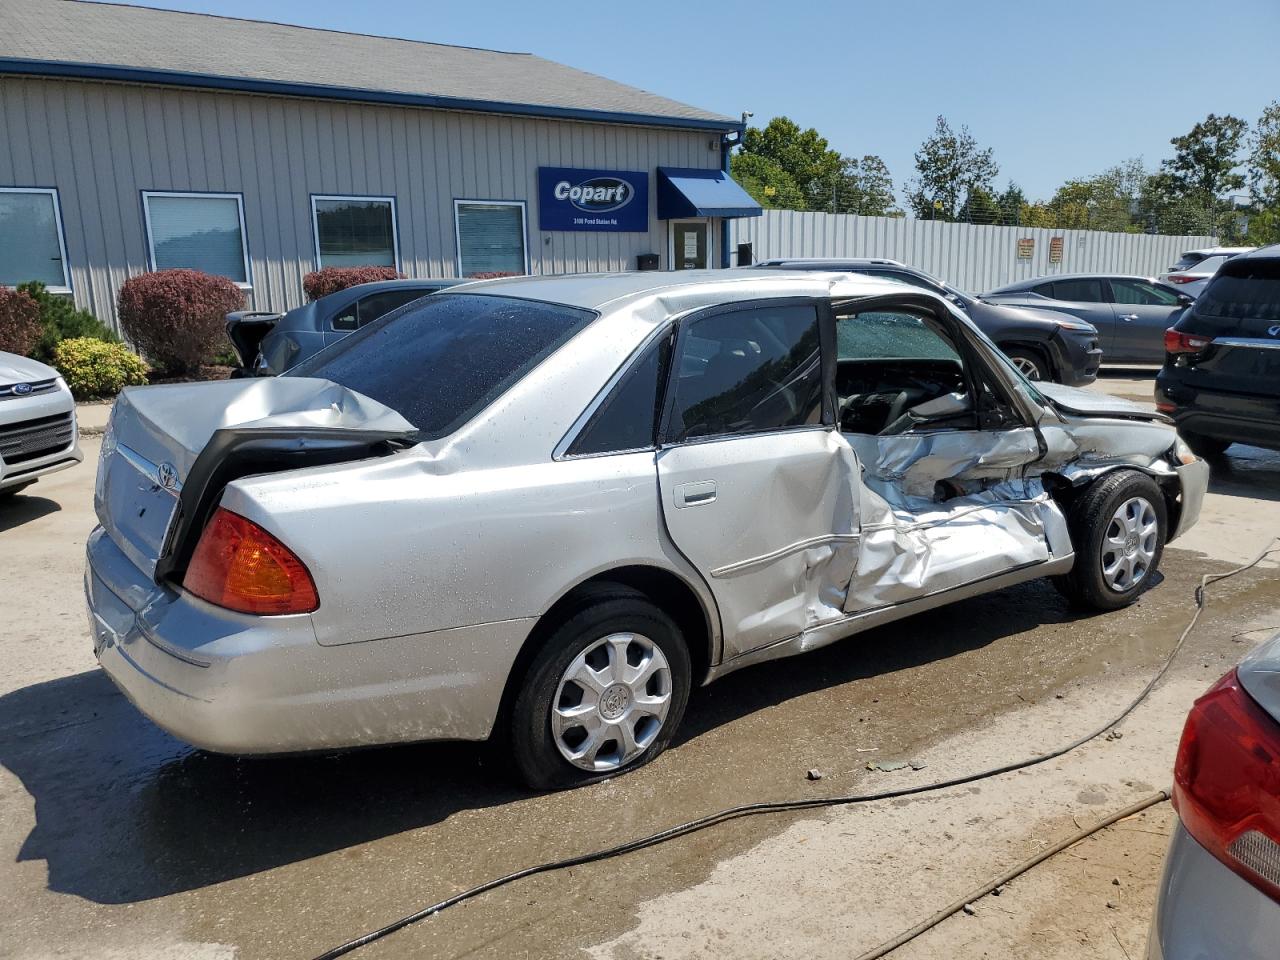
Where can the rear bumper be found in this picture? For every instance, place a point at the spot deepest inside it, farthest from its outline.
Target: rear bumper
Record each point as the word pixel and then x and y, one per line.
pixel 1239 418
pixel 239 684
pixel 1205 910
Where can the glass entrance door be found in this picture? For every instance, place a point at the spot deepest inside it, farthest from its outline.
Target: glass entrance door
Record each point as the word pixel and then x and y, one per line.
pixel 689 245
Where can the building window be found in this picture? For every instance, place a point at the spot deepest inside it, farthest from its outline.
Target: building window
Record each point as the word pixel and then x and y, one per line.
pixel 32 246
pixel 491 237
pixel 199 231
pixel 355 231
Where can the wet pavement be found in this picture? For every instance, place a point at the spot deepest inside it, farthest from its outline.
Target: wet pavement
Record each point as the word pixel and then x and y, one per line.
pixel 117 840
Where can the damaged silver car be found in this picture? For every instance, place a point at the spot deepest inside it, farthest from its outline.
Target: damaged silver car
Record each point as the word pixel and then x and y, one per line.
pixel 543 508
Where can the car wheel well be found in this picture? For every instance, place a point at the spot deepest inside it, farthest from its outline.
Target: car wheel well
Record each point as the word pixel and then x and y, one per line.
pixel 662 588
pixel 1031 347
pixel 1065 493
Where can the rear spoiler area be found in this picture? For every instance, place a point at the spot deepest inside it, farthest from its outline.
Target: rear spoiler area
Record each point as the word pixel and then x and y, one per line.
pixel 246 329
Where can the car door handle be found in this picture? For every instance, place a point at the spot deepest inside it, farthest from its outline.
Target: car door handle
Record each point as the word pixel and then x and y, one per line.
pixel 695 494
pixel 1128 316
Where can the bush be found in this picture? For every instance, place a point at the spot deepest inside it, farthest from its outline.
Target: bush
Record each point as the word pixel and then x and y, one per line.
pixel 19 321
pixel 321 283
pixel 177 318
pixel 60 320
pixel 94 368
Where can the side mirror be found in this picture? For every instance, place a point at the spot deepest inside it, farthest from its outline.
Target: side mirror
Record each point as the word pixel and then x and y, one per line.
pixel 1185 301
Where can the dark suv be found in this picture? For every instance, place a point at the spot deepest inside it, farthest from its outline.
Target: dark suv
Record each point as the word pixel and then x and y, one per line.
pixel 1043 344
pixel 1221 374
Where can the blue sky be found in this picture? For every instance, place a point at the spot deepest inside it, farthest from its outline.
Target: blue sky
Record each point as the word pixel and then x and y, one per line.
pixel 1059 90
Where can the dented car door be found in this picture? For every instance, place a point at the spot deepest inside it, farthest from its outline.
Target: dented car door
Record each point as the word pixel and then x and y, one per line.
pixel 945 500
pixel 758 490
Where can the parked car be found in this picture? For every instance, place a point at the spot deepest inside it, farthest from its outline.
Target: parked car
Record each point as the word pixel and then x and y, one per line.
pixel 38 433
pixel 1042 344
pixel 1221 376
pixel 1220 892
pixel 1194 269
pixel 1131 313
pixel 267 344
pixel 544 508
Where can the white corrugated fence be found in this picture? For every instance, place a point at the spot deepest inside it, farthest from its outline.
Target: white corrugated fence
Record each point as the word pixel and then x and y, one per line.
pixel 968 256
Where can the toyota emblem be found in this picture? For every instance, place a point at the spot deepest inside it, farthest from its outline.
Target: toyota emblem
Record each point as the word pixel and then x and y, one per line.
pixel 167 474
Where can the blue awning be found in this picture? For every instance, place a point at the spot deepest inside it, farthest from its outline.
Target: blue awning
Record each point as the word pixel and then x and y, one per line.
pixel 684 192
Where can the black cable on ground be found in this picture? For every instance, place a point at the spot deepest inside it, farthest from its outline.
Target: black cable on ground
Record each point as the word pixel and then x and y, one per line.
pixel 957 905
pixel 786 806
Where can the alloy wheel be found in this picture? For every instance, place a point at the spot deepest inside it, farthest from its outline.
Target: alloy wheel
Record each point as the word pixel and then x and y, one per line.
pixel 1027 367
pixel 611 702
pixel 1129 544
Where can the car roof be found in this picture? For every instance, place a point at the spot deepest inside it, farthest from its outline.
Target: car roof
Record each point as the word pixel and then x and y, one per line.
pixel 1269 252
pixel 376 286
pixel 1216 251
pixel 1035 281
pixel 682 289
pixel 835 263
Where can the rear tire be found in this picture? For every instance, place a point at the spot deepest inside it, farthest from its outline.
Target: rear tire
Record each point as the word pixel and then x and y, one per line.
pixel 1029 363
pixel 605 694
pixel 1118 529
pixel 1206 447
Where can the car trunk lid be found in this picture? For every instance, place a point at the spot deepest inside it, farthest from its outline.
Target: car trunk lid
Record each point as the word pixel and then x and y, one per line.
pixel 1259 674
pixel 170 449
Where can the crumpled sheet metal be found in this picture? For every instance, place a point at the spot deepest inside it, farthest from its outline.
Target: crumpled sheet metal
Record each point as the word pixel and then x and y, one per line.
pixel 175 421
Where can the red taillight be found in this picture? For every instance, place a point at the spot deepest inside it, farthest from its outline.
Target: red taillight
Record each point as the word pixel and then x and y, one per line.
pixel 1175 341
pixel 1226 782
pixel 1182 278
pixel 240 566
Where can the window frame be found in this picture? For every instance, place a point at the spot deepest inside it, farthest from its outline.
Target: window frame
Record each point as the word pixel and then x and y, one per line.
pixel 247 283
pixel 826 346
pixel 52 192
pixel 315 223
pixel 457 231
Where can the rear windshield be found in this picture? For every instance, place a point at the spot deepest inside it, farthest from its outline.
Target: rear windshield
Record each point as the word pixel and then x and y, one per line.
pixel 440 361
pixel 1187 260
pixel 1243 301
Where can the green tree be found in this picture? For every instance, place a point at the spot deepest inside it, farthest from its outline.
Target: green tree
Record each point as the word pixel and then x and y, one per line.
pixel 980 206
pixel 804 155
pixel 1110 200
pixel 1264 158
pixel 1011 202
pixel 949 166
pixel 766 181
pixel 864 186
pixel 1205 160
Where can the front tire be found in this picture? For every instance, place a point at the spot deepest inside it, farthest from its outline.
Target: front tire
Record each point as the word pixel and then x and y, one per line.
pixel 1118 529
pixel 605 694
pixel 1029 363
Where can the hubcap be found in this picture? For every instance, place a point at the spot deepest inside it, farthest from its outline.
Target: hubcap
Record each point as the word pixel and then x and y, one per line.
pixel 1026 367
pixel 611 702
pixel 1129 545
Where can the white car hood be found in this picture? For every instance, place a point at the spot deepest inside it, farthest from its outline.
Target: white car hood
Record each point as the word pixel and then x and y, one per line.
pixel 16 369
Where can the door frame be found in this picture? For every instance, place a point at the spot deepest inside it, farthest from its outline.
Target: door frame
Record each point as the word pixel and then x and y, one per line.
pixel 671 239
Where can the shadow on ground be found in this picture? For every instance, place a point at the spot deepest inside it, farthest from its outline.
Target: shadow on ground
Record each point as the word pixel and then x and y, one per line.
pixel 1246 472
pixel 126 813
pixel 17 509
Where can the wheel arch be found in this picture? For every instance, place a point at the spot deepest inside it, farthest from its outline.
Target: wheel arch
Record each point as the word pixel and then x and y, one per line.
pixel 1038 348
pixel 664 588
pixel 1065 487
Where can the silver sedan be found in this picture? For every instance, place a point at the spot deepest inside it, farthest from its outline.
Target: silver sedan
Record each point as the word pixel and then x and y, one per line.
pixel 544 508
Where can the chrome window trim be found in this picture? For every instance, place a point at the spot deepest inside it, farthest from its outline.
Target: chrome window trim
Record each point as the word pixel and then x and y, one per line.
pixel 1255 342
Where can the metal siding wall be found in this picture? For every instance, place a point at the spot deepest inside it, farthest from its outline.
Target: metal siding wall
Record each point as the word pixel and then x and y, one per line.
pixel 102 144
pixel 971 257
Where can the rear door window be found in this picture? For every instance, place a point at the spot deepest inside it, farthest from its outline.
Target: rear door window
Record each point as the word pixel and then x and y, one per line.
pixel 747 371
pixel 441 362
pixel 377 304
pixel 628 417
pixel 1081 290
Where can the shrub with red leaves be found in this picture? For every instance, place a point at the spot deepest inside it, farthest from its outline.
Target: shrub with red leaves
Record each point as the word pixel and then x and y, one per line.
pixel 19 321
pixel 321 283
pixel 177 318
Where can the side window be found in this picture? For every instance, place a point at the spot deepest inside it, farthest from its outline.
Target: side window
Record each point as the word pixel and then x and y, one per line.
pixel 1083 290
pixel 1141 294
pixel 748 371
pixel 376 304
pixel 889 362
pixel 628 418
pixel 1044 289
pixel 346 318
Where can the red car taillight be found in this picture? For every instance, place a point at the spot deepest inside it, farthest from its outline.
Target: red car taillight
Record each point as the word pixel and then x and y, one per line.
pixel 1182 278
pixel 1176 342
pixel 1226 782
pixel 240 566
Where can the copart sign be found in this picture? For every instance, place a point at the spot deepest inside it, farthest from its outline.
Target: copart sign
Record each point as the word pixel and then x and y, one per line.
pixel 605 200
